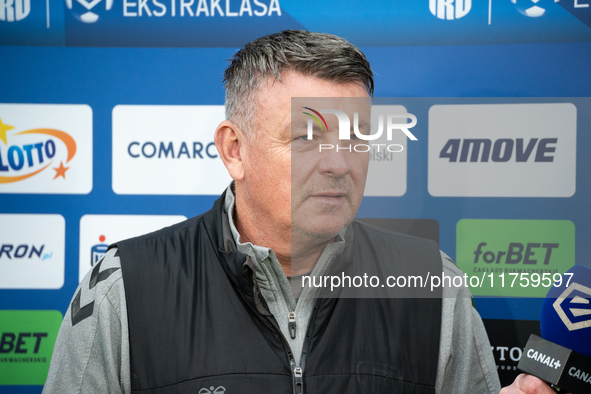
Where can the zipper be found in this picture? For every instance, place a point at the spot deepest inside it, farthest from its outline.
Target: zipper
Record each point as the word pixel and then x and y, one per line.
pixel 298 380
pixel 291 324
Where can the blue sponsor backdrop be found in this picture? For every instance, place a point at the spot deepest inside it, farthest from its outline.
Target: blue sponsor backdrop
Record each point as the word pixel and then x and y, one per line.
pixel 491 49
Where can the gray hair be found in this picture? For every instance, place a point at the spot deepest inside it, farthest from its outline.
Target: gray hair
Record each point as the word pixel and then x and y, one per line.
pixel 322 55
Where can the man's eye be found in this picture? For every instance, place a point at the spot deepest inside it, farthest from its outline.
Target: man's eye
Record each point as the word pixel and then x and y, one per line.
pixel 304 138
pixel 354 136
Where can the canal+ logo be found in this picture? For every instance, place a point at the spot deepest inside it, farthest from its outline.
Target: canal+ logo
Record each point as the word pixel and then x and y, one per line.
pixel 85 11
pixel 28 153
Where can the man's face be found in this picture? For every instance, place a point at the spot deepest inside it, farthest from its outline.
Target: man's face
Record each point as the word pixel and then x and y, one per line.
pixel 310 193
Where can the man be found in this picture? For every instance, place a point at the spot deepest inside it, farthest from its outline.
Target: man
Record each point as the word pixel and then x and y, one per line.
pixel 206 305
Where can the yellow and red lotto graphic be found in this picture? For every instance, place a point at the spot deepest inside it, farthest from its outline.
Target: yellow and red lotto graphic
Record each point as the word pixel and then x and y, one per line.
pixel 45 149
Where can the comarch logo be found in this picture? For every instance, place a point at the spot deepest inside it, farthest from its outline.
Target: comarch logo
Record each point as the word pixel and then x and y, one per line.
pixel 450 9
pixel 14 10
pixel 108 229
pixel 167 149
pixel 502 150
pixel 45 148
pixel 82 9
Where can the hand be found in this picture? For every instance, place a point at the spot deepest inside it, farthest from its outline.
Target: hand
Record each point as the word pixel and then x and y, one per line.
pixel 528 384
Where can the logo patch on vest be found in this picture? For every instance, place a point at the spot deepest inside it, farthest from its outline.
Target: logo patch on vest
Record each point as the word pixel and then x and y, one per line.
pixel 211 390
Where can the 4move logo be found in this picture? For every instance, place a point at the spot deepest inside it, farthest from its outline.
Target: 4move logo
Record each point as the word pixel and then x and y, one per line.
pixel 45 149
pixel 502 150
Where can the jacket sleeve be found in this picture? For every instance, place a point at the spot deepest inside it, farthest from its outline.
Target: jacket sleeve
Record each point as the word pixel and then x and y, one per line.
pixel 91 353
pixel 466 363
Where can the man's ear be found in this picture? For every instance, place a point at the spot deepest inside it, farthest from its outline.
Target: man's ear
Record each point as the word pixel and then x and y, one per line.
pixel 230 142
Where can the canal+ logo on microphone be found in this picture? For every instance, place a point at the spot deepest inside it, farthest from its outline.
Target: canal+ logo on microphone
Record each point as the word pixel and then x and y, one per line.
pixel 45 149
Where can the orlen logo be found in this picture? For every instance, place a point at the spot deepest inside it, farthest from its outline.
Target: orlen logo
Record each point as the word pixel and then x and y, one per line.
pixel 345 130
pixel 14 10
pixel 32 251
pixel 502 150
pixel 24 251
pixel 86 6
pixel 450 9
pixel 30 152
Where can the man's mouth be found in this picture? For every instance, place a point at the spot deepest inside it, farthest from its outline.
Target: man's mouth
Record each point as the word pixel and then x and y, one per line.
pixel 330 197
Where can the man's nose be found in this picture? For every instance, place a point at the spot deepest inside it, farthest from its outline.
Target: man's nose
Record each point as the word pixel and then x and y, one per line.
pixel 336 161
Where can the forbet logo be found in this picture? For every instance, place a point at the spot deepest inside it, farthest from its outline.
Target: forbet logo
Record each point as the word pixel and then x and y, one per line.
pixel 27 339
pixel 540 250
pixel 345 129
pixel 88 5
pixel 45 149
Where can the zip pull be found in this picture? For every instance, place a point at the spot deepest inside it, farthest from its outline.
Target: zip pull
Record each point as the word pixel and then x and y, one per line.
pixel 291 324
pixel 298 380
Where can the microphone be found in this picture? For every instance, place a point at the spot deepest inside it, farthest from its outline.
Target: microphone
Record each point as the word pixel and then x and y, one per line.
pixel 563 356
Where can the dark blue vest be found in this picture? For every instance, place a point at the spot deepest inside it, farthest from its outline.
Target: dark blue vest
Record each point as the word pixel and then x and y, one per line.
pixel 197 323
